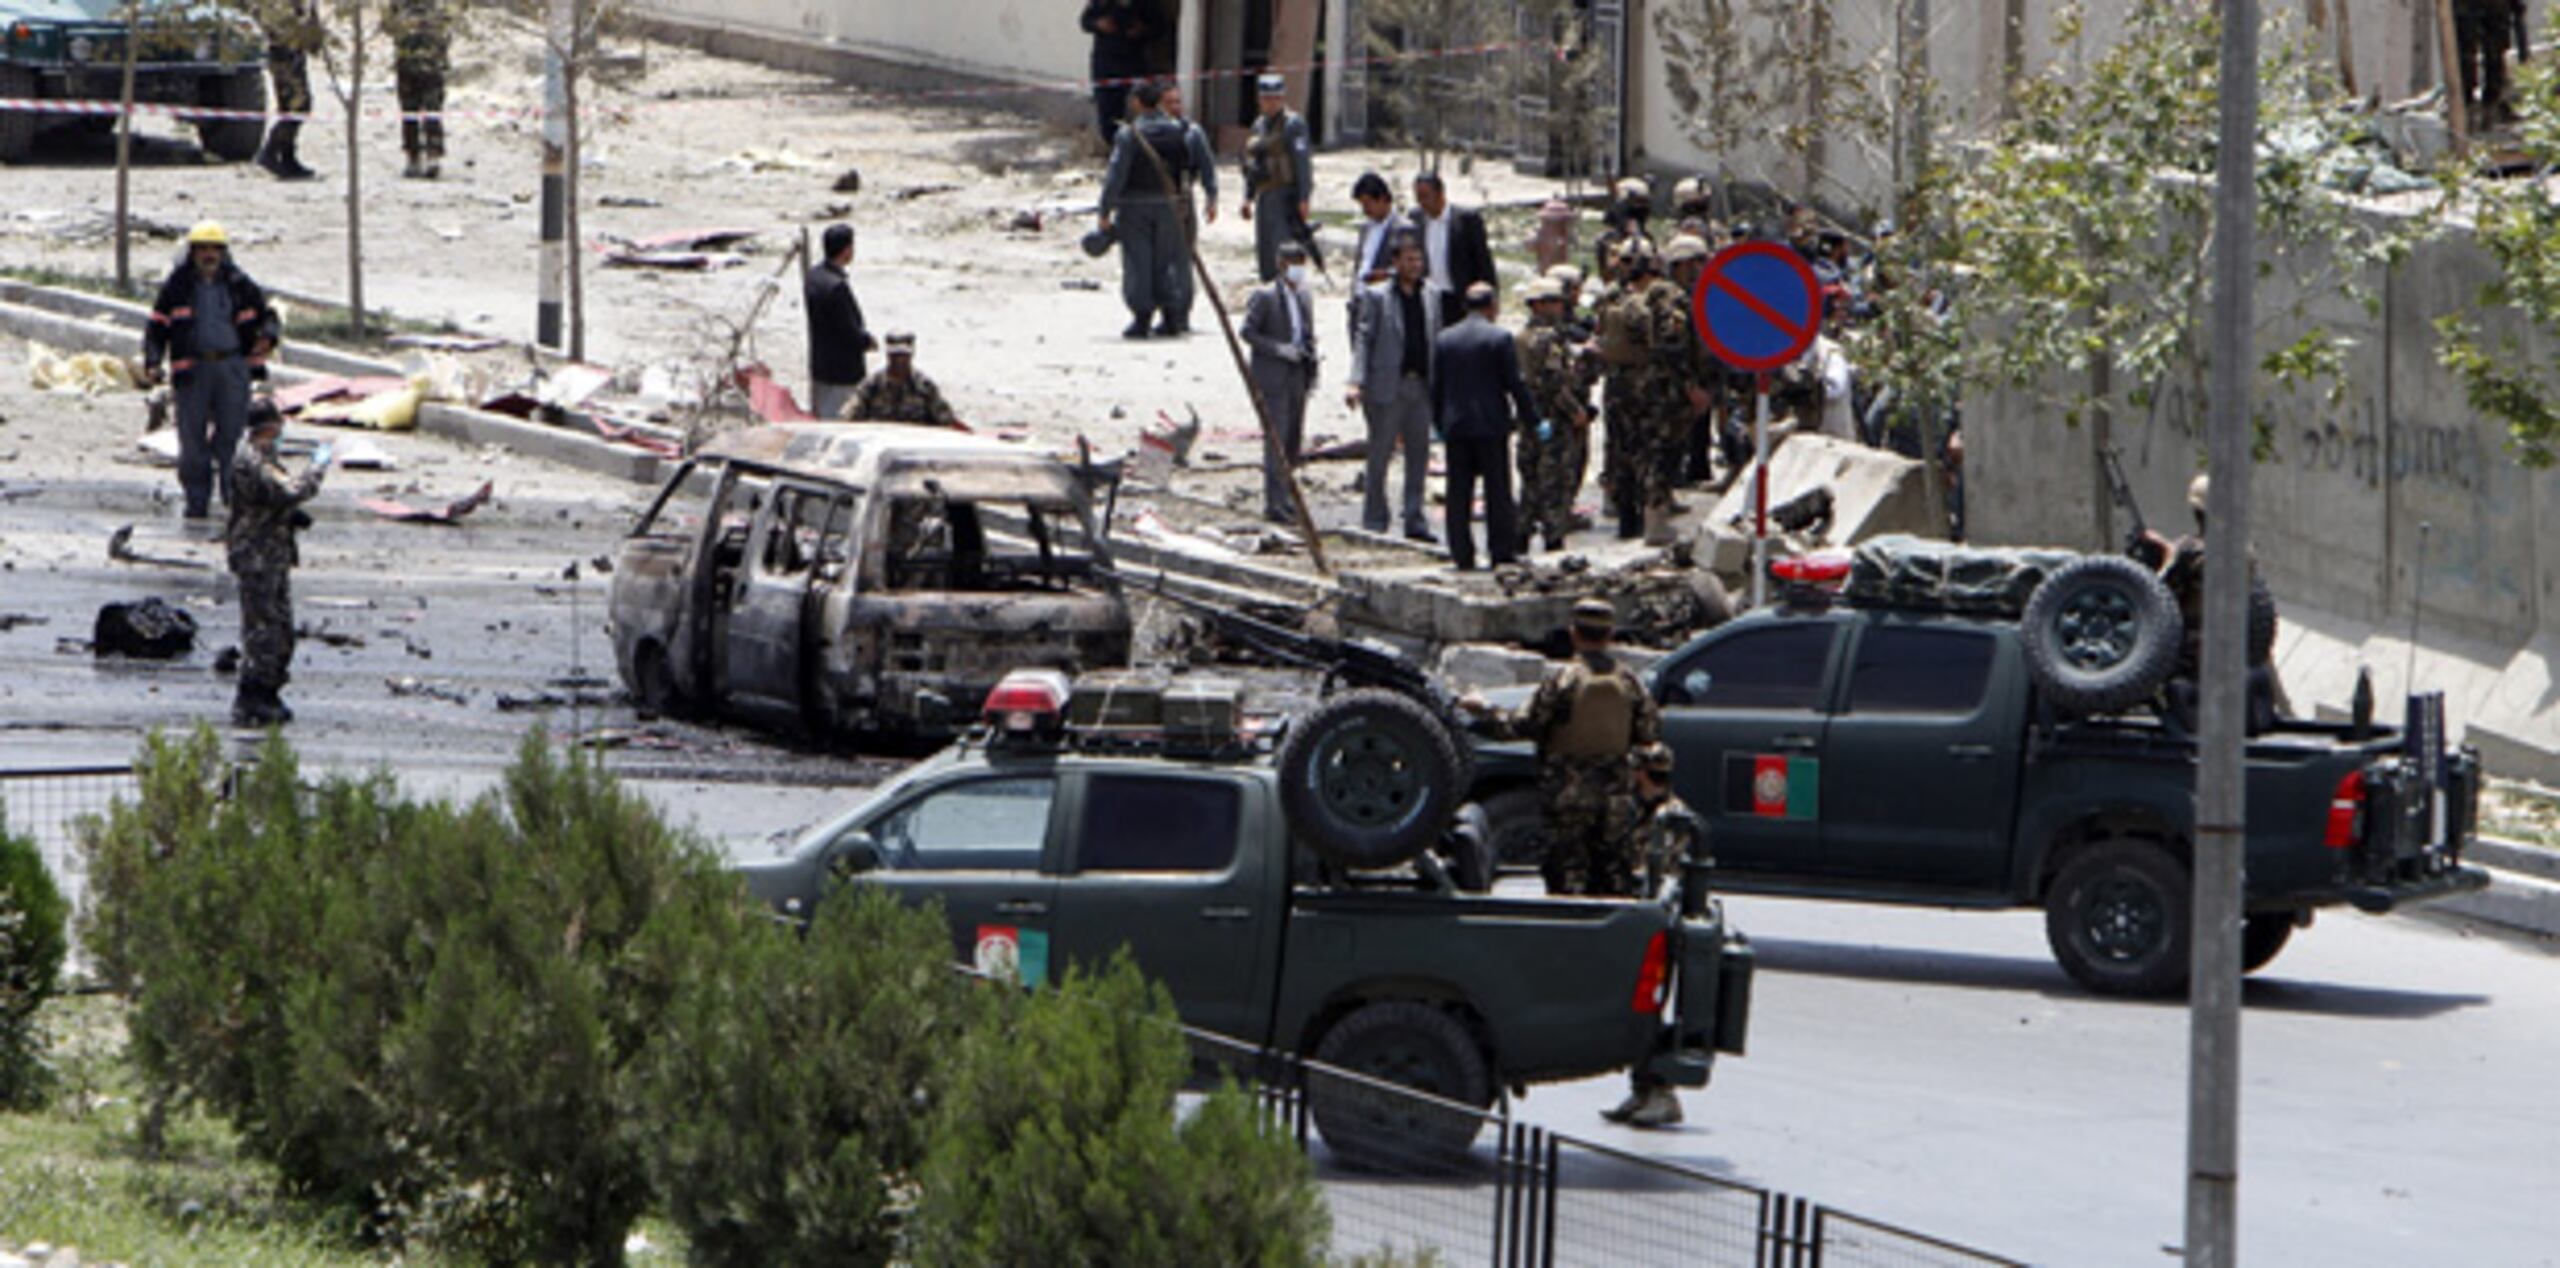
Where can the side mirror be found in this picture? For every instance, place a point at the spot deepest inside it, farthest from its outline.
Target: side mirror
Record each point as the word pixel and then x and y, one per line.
pixel 1694 684
pixel 854 855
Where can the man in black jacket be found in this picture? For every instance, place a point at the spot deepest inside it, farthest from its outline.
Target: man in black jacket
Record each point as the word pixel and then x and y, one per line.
pixel 213 327
pixel 1475 392
pixel 838 341
pixel 1124 41
pixel 1453 244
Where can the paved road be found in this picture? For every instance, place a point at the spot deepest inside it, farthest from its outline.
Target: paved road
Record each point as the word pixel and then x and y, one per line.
pixel 2401 1102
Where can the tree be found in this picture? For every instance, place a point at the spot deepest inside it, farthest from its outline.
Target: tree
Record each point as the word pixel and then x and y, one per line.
pixel 1747 73
pixel 32 945
pixel 2518 223
pixel 1425 95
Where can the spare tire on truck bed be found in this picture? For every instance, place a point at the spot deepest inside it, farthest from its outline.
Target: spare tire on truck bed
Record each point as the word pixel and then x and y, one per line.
pixel 2101 634
pixel 1369 778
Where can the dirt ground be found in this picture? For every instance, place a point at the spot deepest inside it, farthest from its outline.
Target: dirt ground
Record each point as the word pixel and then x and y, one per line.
pixel 1020 328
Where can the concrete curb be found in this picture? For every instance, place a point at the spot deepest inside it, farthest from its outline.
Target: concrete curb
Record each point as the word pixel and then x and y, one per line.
pixel 2524 888
pixel 78 322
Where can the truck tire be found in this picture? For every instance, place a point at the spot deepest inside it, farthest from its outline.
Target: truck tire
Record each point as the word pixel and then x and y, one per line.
pixel 2101 634
pixel 1519 819
pixel 1369 778
pixel 2262 936
pixel 1413 1045
pixel 234 140
pixel 17 127
pixel 2118 919
pixel 1468 845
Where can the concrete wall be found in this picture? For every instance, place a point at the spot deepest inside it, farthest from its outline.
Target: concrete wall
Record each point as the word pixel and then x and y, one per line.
pixel 1009 40
pixel 2354 500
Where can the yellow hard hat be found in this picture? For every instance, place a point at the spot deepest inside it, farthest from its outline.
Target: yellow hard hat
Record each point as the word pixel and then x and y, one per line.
pixel 207 233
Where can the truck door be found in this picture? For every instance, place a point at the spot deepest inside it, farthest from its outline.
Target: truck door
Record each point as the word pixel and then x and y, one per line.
pixel 1932 720
pixel 1157 865
pixel 1743 710
pixel 764 650
pixel 982 848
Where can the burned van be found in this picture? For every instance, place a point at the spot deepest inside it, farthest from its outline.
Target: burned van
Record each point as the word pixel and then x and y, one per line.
pixel 860 578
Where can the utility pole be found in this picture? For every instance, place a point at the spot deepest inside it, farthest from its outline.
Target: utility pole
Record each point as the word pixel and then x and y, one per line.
pixel 2213 1062
pixel 558 32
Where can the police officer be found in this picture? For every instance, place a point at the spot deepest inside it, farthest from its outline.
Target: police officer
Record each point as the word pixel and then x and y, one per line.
pixel 1148 185
pixel 266 511
pixel 421 45
pixel 900 393
pixel 214 328
pixel 293 33
pixel 1556 445
pixel 1279 176
pixel 1667 834
pixel 1587 716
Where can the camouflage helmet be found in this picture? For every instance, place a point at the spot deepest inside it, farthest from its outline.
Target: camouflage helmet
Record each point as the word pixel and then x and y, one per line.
pixel 1652 759
pixel 1634 190
pixel 1540 290
pixel 2196 491
pixel 1685 246
pixel 1565 275
pixel 1595 616
pixel 1636 255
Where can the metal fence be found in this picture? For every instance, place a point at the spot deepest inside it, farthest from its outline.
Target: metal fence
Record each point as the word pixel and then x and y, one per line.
pixel 45 804
pixel 1406 1173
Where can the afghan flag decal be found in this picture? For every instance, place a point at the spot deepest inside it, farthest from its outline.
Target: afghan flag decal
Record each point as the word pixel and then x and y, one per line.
pixel 1772 785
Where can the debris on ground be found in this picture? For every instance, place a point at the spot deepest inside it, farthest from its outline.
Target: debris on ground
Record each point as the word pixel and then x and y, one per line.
pixel 407 686
pixel 160 447
pixel 326 636
pixel 83 373
pixel 770 400
pixel 453 343
pixel 628 200
pixel 392 409
pixel 331 387
pixel 120 550
pixel 911 193
pixel 1150 527
pixel 451 512
pixel 152 629
pixel 227 661
pixel 849 183
pixel 12 620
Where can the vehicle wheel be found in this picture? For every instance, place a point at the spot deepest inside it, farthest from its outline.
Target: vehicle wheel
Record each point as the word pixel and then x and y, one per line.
pixel 17 127
pixel 2101 634
pixel 1519 827
pixel 1369 778
pixel 1468 845
pixel 2118 920
pixel 653 682
pixel 234 140
pixel 2263 935
pixel 1412 1045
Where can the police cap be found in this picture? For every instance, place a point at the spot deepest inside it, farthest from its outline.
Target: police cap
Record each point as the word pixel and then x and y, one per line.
pixel 1594 616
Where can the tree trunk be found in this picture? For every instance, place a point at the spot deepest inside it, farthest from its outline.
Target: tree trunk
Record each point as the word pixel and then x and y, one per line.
pixel 124 152
pixel 576 256
pixel 355 170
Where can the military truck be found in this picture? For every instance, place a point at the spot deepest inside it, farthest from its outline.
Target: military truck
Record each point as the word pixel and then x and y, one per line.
pixel 1089 818
pixel 2004 743
pixel 188 55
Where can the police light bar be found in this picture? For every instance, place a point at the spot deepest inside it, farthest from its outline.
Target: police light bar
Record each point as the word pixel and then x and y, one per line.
pixel 1027 700
pixel 1822 567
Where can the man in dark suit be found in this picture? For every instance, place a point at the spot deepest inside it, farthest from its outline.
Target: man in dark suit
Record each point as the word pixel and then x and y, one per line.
pixel 838 339
pixel 1393 326
pixel 1453 244
pixel 1280 327
pixel 1475 397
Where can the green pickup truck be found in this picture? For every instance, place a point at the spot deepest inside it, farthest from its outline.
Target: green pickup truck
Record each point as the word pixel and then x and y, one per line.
pixel 1888 755
pixel 73 50
pixel 1047 848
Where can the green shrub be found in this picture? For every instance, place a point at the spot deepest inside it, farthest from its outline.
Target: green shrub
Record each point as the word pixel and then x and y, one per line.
pixel 181 785
pixel 790 1091
pixel 31 949
pixel 1058 1143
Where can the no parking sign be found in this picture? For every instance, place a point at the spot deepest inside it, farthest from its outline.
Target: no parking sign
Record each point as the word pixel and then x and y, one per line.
pixel 1757 306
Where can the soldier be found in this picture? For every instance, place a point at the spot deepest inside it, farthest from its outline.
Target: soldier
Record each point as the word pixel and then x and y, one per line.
pixel 1693 200
pixel 1627 220
pixel 1686 258
pixel 900 393
pixel 2483 30
pixel 1554 449
pixel 1153 164
pixel 1644 338
pixel 266 510
pixel 1667 834
pixel 293 33
pixel 1279 176
pixel 421 43
pixel 214 327
pixel 1587 716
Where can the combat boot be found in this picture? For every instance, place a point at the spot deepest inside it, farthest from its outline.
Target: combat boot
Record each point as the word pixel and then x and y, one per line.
pixel 1660 1108
pixel 1625 1109
pixel 281 155
pixel 251 706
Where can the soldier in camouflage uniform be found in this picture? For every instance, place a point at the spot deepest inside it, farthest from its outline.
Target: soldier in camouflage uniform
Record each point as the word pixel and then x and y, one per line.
pixel 1644 339
pixel 266 510
pixel 1587 716
pixel 1628 220
pixel 1686 259
pixel 898 392
pixel 421 48
pixel 1554 450
pixel 1667 834
pixel 294 33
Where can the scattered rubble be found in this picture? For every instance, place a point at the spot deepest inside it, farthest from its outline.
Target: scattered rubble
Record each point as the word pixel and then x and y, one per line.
pixel 120 550
pixel 151 629
pixel 450 513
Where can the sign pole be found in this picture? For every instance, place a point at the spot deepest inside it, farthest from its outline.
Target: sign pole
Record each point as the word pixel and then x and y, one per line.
pixel 1760 493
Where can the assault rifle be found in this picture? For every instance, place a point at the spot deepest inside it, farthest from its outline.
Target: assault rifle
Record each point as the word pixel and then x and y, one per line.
pixel 1354 662
pixel 2140 543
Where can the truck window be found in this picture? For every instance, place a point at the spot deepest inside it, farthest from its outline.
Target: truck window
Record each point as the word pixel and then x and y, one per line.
pixel 1138 823
pixel 986 825
pixel 1779 667
pixel 678 510
pixel 1901 669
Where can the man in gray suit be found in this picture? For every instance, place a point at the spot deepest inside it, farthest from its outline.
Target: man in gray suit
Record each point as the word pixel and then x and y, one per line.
pixel 1393 325
pixel 1280 327
pixel 1474 397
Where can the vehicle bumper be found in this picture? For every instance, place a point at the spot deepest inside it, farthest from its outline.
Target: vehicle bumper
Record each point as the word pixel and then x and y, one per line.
pixel 2378 899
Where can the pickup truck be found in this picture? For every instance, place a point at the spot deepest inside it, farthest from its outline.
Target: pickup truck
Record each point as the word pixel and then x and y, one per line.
pixel 1881 755
pixel 187 55
pixel 1049 853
